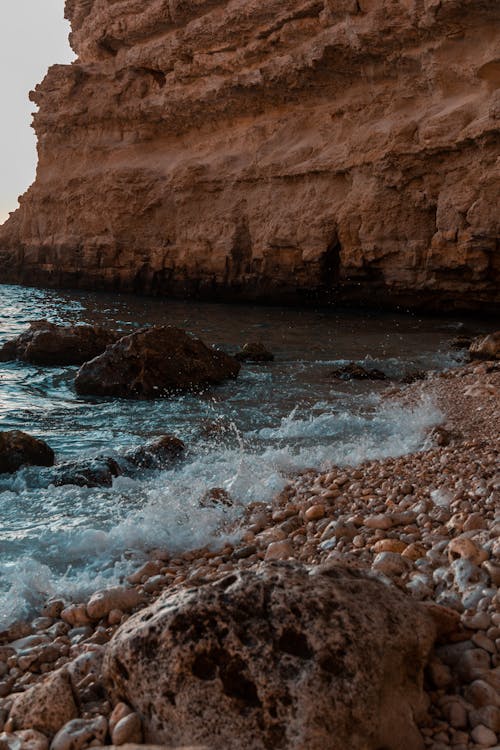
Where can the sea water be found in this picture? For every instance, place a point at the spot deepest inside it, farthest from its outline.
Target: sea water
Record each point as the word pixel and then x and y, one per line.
pixel 274 421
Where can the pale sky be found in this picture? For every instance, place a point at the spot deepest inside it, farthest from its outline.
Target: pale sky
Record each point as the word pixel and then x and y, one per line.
pixel 33 35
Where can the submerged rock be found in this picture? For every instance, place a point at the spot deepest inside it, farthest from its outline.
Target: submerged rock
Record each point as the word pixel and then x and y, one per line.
pixel 155 362
pixel 157 453
pixel 100 471
pixel 279 656
pixel 486 347
pixel 91 472
pixel 18 449
pixel 254 351
pixel 47 343
pixel 353 371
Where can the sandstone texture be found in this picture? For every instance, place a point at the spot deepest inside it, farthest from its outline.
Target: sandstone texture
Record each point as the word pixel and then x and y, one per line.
pixel 19 449
pixel 47 343
pixel 155 362
pixel 277 657
pixel 341 150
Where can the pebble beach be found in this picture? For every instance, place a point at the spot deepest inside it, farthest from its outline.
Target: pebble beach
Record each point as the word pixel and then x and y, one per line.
pixel 426 523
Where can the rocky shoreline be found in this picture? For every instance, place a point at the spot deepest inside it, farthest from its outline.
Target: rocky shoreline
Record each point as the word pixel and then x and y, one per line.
pixel 425 524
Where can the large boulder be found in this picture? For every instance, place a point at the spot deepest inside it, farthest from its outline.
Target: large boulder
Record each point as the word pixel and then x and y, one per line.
pixel 279 656
pixel 486 347
pixel 18 449
pixel 47 343
pixel 155 362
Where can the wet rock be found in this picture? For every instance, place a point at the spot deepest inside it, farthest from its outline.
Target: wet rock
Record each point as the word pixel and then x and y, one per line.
pixel 486 347
pixel 254 351
pixel 47 343
pixel 18 449
pixel 354 371
pixel 46 706
pixel 155 362
pixel 100 471
pixel 92 472
pixel 461 342
pixel 157 453
pixel 279 656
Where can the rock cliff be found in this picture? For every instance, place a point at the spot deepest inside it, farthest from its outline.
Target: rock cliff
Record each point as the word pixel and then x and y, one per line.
pixel 342 150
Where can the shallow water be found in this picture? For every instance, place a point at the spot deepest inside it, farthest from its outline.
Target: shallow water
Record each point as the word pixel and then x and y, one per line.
pixel 277 419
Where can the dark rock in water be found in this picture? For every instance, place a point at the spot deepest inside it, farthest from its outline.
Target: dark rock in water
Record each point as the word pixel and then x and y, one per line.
pixel 254 351
pixel 18 449
pixel 353 371
pixel 486 347
pixel 155 362
pixel 91 472
pixel 461 342
pixel 278 656
pixel 156 454
pixel 46 343
pixel 101 470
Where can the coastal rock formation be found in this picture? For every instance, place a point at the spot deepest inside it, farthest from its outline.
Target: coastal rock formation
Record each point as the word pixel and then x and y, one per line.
pixel 155 362
pixel 47 343
pixel 279 656
pixel 19 449
pixel 342 150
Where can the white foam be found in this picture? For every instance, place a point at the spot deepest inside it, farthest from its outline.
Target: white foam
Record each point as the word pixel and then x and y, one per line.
pixel 164 510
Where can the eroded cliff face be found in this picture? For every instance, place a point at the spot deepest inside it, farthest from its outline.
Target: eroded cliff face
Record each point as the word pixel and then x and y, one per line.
pixel 344 150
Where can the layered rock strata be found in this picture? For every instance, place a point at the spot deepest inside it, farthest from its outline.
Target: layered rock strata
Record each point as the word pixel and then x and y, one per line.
pixel 342 150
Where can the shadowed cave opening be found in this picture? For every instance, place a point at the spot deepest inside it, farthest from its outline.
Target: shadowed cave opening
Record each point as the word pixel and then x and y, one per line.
pixel 330 264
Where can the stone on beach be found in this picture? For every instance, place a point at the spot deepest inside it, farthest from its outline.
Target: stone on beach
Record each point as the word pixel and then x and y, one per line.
pixel 18 449
pixel 278 656
pixel 103 602
pixel 80 733
pixel 51 344
pixel 46 706
pixel 154 362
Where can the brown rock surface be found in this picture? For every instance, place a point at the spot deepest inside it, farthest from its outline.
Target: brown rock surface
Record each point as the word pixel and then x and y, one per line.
pixel 45 707
pixel 154 362
pixel 18 449
pixel 342 148
pixel 47 343
pixel 486 347
pixel 278 656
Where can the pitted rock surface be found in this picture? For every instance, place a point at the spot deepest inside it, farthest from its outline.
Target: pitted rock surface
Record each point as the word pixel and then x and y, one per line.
pixel 47 706
pixel 269 149
pixel 155 362
pixel 280 656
